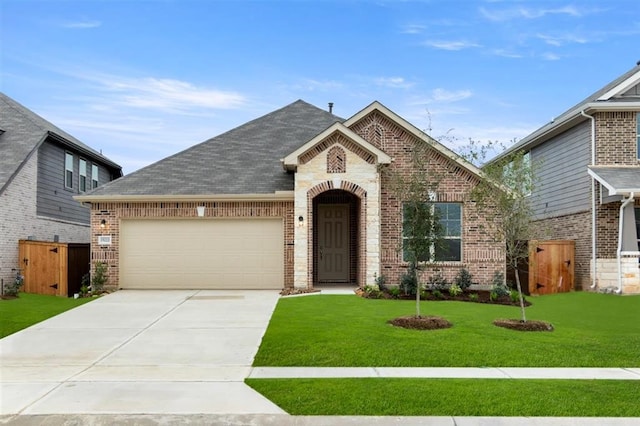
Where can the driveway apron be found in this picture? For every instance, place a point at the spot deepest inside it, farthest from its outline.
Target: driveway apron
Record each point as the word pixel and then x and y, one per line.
pixel 166 352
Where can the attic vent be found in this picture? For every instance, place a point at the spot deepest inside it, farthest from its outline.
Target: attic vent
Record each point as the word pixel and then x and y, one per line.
pixel 336 160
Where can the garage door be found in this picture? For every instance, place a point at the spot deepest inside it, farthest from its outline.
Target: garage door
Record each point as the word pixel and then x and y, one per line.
pixel 202 254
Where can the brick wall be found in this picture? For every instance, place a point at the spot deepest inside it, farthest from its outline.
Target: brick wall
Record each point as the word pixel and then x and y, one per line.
pixel 616 138
pixel 18 220
pixel 113 212
pixel 481 255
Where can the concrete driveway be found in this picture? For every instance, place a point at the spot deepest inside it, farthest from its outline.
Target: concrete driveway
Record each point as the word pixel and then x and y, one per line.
pixel 165 352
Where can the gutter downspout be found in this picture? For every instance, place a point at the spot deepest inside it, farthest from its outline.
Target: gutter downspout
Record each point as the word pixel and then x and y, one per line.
pixel 593 203
pixel 619 252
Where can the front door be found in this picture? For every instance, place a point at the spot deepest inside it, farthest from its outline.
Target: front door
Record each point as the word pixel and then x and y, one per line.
pixel 333 243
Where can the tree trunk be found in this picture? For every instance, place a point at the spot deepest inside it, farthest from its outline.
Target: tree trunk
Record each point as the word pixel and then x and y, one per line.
pixel 524 318
pixel 415 271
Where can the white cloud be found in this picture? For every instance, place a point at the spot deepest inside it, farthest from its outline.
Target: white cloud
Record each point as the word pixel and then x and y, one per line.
pixel 560 40
pixel 413 29
pixel 85 24
pixel 443 95
pixel 500 15
pixel 548 56
pixel 453 45
pixel 507 53
pixel 393 82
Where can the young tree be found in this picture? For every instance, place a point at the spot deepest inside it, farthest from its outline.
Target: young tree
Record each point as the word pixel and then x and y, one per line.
pixel 421 228
pixel 504 199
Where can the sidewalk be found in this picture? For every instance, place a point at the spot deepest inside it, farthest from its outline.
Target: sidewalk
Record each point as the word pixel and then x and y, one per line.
pixel 446 373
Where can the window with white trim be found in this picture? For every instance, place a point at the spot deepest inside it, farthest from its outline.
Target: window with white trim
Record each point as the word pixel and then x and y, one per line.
pixel 68 170
pixel 83 175
pixel 94 176
pixel 450 219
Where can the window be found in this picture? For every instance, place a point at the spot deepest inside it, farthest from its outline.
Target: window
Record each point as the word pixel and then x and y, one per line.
pixel 68 170
pixel 94 176
pixel 449 217
pixel 83 175
pixel 638 133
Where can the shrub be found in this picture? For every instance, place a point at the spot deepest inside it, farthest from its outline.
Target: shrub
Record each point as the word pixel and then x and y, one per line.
pixel 437 282
pixel 473 297
pixel 515 296
pixel 498 279
pixel 409 281
pixel 455 290
pixel 394 292
pixel 437 294
pixel 12 289
pixel 99 278
pixel 381 282
pixel 463 279
pixel 498 291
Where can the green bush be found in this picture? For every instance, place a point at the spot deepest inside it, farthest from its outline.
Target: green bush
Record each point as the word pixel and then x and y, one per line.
pixel 12 289
pixel 463 279
pixel 473 297
pixel 437 294
pixel 437 282
pixel 372 292
pixel 99 278
pixel 409 281
pixel 515 296
pixel 381 282
pixel 455 290
pixel 498 291
pixel 394 292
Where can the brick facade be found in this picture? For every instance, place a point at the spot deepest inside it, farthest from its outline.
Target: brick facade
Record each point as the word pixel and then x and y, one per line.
pixel 20 221
pixel 480 254
pixel 616 138
pixel 114 212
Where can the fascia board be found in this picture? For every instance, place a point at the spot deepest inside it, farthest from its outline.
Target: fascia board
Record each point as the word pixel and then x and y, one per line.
pixel 622 87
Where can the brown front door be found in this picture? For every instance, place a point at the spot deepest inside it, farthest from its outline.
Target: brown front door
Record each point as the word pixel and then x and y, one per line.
pixel 333 243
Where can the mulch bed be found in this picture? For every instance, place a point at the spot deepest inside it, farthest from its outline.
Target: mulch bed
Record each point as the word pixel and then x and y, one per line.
pixel 482 296
pixel 421 323
pixel 531 325
pixel 293 291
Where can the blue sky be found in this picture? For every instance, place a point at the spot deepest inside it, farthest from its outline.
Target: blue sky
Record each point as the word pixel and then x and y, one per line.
pixel 141 80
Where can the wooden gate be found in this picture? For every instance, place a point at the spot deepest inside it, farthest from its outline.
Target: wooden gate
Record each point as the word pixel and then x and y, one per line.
pixel 53 268
pixel 551 266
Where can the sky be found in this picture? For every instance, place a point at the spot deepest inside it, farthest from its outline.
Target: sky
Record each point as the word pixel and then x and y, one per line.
pixel 142 80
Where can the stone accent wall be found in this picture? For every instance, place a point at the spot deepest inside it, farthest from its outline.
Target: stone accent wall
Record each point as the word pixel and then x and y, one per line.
pixel 18 220
pixel 114 212
pixel 616 138
pixel 608 275
pixel 360 179
pixel 480 253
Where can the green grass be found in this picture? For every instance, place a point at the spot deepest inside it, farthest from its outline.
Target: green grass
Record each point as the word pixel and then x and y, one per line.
pixel 453 397
pixel 591 330
pixel 29 309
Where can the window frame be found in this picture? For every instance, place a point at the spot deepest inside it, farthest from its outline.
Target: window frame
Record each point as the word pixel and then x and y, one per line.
pixel 445 237
pixel 68 172
pixel 95 175
pixel 82 175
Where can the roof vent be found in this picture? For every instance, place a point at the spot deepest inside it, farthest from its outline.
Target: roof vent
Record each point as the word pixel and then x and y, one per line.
pixel 638 63
pixel 330 107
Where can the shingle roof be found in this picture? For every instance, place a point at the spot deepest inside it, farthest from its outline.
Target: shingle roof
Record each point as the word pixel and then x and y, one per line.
pixel 244 160
pixel 23 132
pixel 619 180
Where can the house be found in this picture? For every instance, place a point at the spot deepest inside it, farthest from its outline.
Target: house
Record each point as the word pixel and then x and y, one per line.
pixel 587 163
pixel 41 169
pixel 294 199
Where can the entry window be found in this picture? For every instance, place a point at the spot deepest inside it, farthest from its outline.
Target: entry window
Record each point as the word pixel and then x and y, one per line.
pixel 94 176
pixel 449 217
pixel 68 170
pixel 83 175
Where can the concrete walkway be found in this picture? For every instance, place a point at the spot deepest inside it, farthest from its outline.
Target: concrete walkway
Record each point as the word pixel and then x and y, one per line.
pixel 146 352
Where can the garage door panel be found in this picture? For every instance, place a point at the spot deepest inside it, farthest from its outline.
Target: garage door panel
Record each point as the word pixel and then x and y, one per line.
pixel 202 254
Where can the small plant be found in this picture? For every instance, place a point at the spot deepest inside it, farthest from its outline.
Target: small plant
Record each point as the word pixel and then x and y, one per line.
pixel 473 297
pixel 381 282
pixel 13 288
pixel 437 282
pixel 498 279
pixel 455 290
pixel 84 290
pixel 372 292
pixel 515 296
pixel 463 279
pixel 99 278
pixel 437 294
pixel 409 281
pixel 395 292
pixel 498 291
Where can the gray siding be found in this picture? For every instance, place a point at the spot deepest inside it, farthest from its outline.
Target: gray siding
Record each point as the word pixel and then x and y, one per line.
pixel 53 199
pixel 563 184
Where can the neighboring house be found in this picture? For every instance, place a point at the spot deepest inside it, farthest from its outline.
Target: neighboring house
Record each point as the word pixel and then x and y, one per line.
pixel 587 164
pixel 295 198
pixel 41 169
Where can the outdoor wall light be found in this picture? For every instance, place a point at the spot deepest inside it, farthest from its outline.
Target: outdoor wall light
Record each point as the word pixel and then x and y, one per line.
pixel 200 211
pixel 300 221
pixel 103 223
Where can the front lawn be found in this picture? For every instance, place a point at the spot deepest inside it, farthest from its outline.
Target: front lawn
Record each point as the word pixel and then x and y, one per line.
pixel 452 397
pixel 591 330
pixel 29 309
